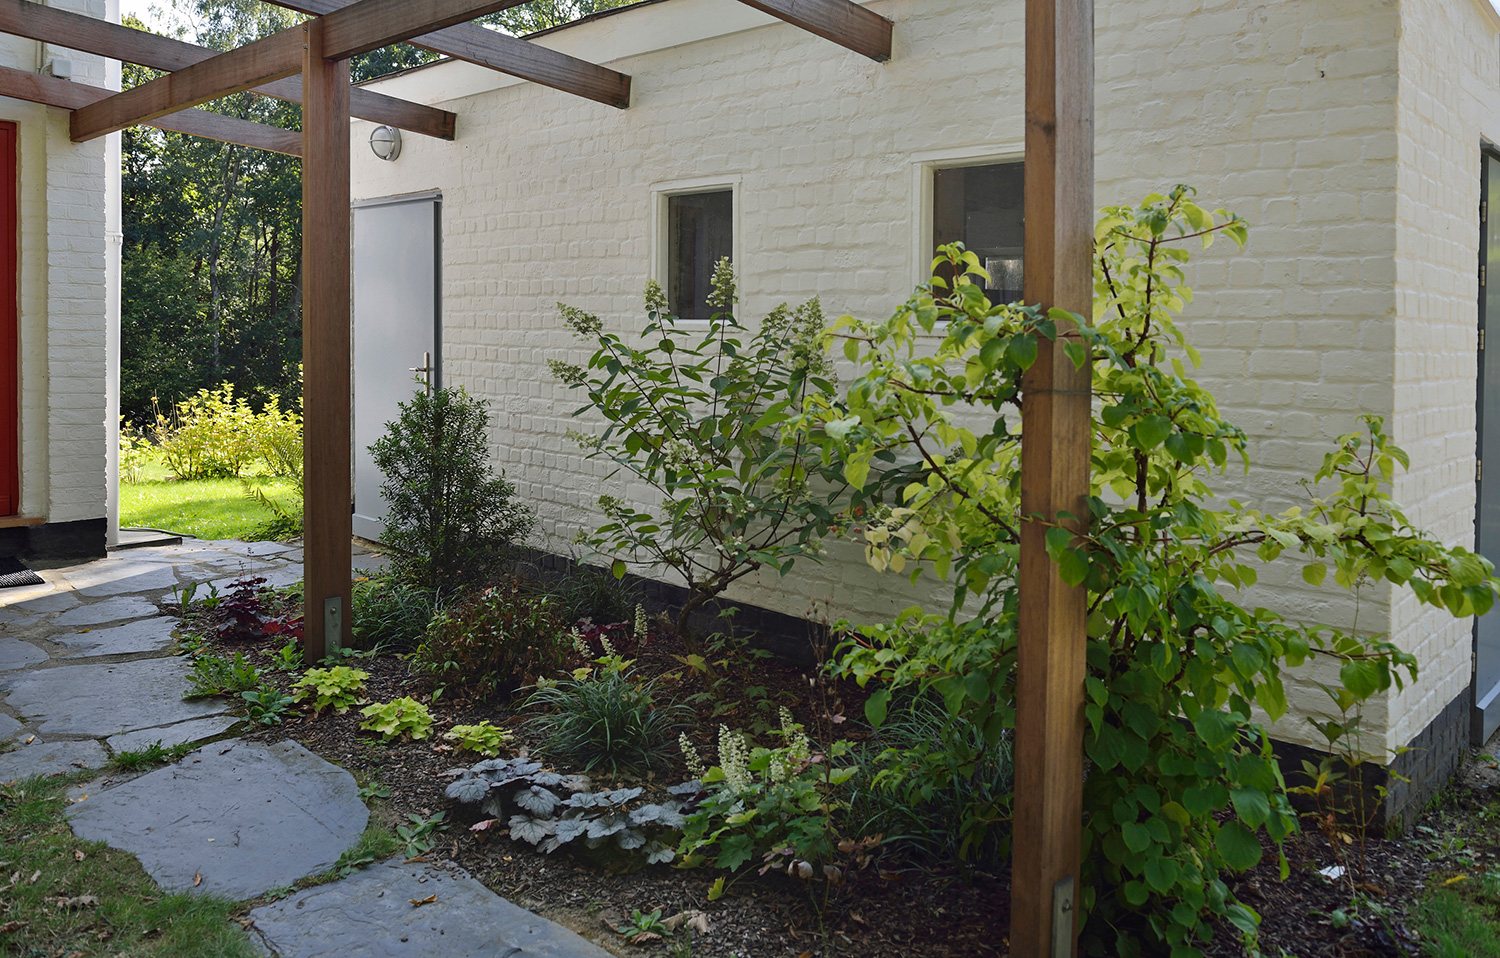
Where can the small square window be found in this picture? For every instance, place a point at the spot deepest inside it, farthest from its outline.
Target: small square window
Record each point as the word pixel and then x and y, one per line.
pixel 982 207
pixel 700 232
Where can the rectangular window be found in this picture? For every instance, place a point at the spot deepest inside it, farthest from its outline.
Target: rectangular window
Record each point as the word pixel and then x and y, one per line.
pixel 700 232
pixel 982 207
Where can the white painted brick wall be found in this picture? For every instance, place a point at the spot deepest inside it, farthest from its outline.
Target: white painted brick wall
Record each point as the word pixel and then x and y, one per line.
pixel 61 295
pixel 1284 112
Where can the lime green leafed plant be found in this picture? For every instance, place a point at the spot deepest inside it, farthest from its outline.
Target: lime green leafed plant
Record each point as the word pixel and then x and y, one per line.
pixel 1182 786
pixel 484 738
pixel 338 688
pixel 398 717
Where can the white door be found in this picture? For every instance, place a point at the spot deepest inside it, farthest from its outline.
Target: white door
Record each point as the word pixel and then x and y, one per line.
pixel 396 328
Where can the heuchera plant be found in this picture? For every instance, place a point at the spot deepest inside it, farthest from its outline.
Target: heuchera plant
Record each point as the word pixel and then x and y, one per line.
pixel 1182 780
pixel 698 415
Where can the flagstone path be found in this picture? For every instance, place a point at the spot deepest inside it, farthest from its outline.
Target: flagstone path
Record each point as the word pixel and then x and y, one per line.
pixel 87 671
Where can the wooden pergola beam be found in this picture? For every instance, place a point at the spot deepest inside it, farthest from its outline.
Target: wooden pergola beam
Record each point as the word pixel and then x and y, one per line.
pixel 75 31
pixel 271 58
pixel 34 88
pixel 507 54
pixel 358 28
pixel 1056 432
pixel 843 21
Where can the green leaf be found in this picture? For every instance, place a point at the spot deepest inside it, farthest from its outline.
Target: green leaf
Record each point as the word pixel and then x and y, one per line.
pixel 1073 567
pixel 1215 728
pixel 876 705
pixel 617 568
pixel 977 686
pixel 1314 572
pixel 1151 431
pixel 1251 805
pixel 851 350
pixel 1137 837
pixel 1239 846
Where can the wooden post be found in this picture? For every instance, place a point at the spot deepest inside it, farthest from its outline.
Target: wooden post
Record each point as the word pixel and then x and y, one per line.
pixel 326 314
pixel 1055 444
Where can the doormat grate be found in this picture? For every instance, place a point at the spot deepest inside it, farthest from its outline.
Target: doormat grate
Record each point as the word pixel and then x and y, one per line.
pixel 13 573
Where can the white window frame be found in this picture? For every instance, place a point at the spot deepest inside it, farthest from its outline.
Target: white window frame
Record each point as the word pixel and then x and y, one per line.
pixel 923 168
pixel 660 192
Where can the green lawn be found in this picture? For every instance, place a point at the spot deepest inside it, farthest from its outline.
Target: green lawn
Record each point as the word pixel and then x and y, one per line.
pixel 206 508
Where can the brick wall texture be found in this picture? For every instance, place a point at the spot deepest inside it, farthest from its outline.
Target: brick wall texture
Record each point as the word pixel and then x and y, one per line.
pixel 61 293
pixel 1346 131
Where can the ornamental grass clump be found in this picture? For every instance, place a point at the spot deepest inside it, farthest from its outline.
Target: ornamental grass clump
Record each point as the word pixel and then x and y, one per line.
pixel 1182 786
pixel 607 718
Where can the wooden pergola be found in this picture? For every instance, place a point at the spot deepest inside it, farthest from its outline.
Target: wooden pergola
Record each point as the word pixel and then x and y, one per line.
pixel 1058 272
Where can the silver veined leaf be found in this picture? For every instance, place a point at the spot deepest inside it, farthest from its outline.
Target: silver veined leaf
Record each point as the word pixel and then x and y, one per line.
pixel 629 839
pixel 468 790
pixel 570 828
pixel 536 800
pixel 527 829
pixel 606 825
pixel 659 854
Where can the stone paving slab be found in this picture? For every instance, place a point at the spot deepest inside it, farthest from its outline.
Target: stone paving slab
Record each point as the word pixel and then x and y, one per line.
pixel 245 816
pixel 370 915
pixel 15 654
pixel 49 601
pixel 8 728
pixel 110 610
pixel 144 635
pixel 195 730
pixel 110 577
pixel 275 579
pixel 103 700
pixel 50 758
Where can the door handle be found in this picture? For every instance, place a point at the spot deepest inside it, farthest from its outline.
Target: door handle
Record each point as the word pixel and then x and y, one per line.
pixel 425 371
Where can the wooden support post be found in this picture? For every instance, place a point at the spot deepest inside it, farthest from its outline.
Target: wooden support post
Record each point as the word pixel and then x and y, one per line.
pixel 1055 446
pixel 326 315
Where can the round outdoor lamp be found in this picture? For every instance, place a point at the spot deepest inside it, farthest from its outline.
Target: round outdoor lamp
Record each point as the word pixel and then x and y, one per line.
pixel 386 142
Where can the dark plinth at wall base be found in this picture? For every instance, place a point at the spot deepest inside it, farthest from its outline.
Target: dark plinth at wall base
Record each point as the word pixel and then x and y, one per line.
pixel 1409 781
pixel 82 539
pixel 788 637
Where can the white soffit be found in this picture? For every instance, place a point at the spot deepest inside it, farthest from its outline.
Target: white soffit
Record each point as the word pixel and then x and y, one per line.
pixel 627 33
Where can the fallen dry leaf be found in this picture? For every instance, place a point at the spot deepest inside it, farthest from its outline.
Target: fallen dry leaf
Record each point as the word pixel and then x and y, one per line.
pixel 644 936
pixel 423 901
pixel 11 926
pixel 78 855
pixel 34 876
pixel 1456 879
pixel 82 901
pixel 197 879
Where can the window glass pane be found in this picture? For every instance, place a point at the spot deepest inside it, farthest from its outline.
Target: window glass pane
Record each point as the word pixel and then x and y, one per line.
pixel 699 234
pixel 981 207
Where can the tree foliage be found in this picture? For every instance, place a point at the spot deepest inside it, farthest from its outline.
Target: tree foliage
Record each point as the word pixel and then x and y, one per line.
pixel 1181 782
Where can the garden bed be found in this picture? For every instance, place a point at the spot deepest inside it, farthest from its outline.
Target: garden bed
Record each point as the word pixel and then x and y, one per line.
pixel 889 908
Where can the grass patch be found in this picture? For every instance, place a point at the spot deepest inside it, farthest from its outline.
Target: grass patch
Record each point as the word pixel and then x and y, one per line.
pixel 152 755
pixel 72 897
pixel 206 508
pixel 1461 920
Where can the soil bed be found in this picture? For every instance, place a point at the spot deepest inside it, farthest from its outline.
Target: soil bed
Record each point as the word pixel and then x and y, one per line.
pixel 889 909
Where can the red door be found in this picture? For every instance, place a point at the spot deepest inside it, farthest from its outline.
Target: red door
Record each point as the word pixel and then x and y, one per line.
pixel 10 360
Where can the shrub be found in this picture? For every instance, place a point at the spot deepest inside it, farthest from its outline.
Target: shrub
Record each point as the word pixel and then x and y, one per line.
pixel 493 643
pixel 338 688
pixel 604 718
pixel 278 437
pixel 391 612
pixel 1182 780
pixel 211 435
pixel 450 516
pixel 698 417
pixel 135 453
